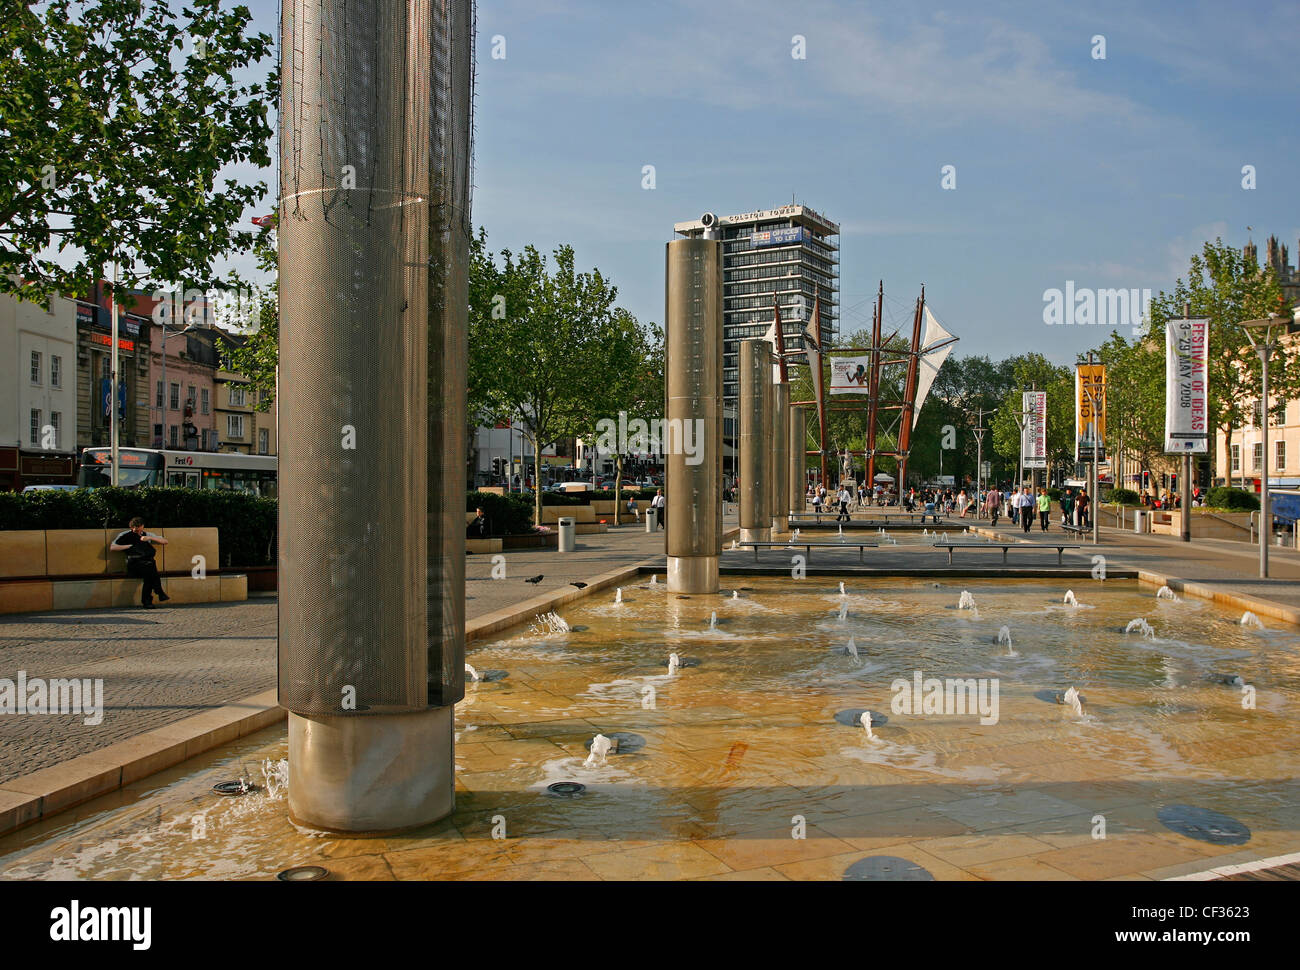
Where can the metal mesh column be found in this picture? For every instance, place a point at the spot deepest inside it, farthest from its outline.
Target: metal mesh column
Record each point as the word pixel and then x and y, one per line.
pixel 780 470
pixel 798 445
pixel 374 228
pixel 693 434
pixel 755 435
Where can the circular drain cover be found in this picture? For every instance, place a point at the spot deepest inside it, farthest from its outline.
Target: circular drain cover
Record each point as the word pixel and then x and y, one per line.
pixel 1232 680
pixel 627 742
pixel 1203 824
pixel 233 788
pixel 578 629
pixel 683 597
pixel 886 868
pixel 683 662
pixel 566 788
pixel 853 718
pixel 303 874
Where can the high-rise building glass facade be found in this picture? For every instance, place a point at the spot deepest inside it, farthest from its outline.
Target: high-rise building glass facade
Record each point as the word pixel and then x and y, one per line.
pixel 789 255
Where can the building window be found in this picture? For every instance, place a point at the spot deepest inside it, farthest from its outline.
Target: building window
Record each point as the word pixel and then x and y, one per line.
pixel 234 426
pixel 264 441
pixel 190 398
pixel 204 398
pixel 175 392
pixel 171 436
pixel 1279 455
pixel 56 370
pixel 1257 455
pixel 159 404
pixel 1236 458
pixel 36 366
pixel 236 396
pixel 36 426
pixel 203 439
pixel 56 422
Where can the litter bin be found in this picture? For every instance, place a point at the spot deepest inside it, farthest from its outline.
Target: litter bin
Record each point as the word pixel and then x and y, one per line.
pixel 567 533
pixel 1140 520
pixel 651 519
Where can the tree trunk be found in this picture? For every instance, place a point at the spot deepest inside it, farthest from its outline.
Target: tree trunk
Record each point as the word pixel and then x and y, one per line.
pixel 537 480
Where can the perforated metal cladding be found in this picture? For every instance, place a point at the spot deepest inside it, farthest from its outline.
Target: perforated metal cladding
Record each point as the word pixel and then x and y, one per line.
pixel 693 388
pixel 798 477
pixel 780 467
pixel 755 434
pixel 374 230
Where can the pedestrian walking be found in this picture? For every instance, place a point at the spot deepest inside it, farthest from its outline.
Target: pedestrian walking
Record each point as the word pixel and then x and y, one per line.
pixel 1026 507
pixel 657 503
pixel 139 548
pixel 1084 506
pixel 1044 507
pixel 993 504
pixel 844 499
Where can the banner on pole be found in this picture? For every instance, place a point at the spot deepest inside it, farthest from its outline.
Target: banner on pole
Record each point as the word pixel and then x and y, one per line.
pixel 1090 412
pixel 851 375
pixel 1187 350
pixel 1033 438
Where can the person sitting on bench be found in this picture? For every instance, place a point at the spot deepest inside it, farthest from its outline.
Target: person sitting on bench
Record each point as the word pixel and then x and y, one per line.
pixel 139 548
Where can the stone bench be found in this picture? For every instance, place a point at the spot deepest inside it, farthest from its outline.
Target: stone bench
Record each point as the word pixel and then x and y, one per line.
pixel 73 569
pixel 581 514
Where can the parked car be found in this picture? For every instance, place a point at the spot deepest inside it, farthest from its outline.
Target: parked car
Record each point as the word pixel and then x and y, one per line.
pixel 51 488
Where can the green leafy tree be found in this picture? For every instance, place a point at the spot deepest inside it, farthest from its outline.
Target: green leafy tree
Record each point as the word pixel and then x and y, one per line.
pixel 532 343
pixel 1030 371
pixel 1226 286
pixel 117 117
pixel 1135 399
pixel 258 355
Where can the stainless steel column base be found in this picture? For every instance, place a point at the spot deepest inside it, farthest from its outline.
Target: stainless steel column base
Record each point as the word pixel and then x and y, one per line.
pixel 755 535
pixel 371 773
pixel 778 525
pixel 692 574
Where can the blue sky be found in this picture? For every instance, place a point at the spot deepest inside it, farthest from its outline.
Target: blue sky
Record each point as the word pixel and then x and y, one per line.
pixel 1109 173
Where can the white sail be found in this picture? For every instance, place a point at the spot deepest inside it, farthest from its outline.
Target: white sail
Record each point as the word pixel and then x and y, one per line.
pixel 930 360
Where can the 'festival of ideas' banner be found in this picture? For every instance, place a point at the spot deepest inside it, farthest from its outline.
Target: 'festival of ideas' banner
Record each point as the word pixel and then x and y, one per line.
pixel 1033 440
pixel 1187 422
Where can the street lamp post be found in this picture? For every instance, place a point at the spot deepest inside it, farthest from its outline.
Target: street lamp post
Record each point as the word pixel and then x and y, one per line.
pixel 979 461
pixel 1264 348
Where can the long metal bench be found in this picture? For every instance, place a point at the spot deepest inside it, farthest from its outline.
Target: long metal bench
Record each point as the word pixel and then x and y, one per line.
pixel 1004 546
pixel 808 546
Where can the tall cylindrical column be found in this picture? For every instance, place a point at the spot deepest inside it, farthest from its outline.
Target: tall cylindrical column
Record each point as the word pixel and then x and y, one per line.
pixel 693 430
pixel 780 469
pixel 755 441
pixel 798 445
pixel 375 133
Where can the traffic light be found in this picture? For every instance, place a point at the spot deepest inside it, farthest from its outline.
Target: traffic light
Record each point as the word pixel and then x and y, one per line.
pixel 1173 482
pixel 1146 481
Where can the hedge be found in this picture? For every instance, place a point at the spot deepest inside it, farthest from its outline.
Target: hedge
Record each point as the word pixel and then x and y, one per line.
pixel 246 524
pixel 1232 499
pixel 1122 496
pixel 507 514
